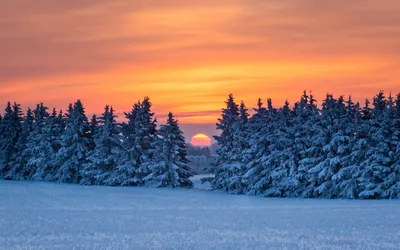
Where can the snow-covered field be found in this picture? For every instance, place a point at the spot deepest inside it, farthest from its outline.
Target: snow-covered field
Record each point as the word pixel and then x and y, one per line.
pixel 61 216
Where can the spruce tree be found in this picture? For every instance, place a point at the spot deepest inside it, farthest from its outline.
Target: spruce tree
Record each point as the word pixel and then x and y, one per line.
pixel 283 175
pixel 138 142
pixel 266 154
pixel 170 168
pixel 75 145
pixel 377 173
pixel 20 158
pixel 307 143
pixel 237 164
pixel 102 161
pixel 94 124
pixel 230 115
pixel 47 143
pixel 34 150
pixel 256 128
pixel 12 129
pixel 344 180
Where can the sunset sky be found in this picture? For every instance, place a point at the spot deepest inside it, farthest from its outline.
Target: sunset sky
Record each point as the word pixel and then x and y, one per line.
pixel 188 55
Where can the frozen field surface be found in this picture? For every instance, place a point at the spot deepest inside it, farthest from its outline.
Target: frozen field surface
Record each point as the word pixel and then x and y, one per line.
pixel 61 216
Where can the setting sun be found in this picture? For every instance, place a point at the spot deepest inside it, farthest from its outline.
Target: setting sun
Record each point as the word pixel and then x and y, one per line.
pixel 201 140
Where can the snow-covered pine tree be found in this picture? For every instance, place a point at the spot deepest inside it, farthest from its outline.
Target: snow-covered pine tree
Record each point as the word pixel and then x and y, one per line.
pixel 397 110
pixel 102 161
pixel 138 142
pixel 394 190
pixel 313 160
pixel 74 145
pixel 377 165
pixel 270 161
pixel 12 129
pixel 20 158
pixel 283 175
pixel 93 124
pixel 307 142
pixel 45 145
pixel 392 138
pixel 170 166
pixel 267 151
pixel 33 141
pixel 344 180
pixel 361 141
pixel 379 172
pixel 237 166
pixel 336 151
pixel 256 129
pixel 230 115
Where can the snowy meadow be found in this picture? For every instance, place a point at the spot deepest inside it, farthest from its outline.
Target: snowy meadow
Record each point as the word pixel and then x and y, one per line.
pixel 39 215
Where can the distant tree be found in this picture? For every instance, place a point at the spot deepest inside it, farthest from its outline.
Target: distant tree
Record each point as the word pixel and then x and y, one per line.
pixel 198 150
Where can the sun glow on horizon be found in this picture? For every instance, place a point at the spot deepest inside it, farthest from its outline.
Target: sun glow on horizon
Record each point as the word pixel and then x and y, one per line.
pixel 201 140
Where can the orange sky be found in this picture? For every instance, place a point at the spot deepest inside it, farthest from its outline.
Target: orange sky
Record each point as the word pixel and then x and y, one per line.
pixel 188 55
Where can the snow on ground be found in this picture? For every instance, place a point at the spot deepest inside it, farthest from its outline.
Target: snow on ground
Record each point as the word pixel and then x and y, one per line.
pixel 61 216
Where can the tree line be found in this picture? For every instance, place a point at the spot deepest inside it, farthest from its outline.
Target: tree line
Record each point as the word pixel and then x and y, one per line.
pixel 337 150
pixel 69 148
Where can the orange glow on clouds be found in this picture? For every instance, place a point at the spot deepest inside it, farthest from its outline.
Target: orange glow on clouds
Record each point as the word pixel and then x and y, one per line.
pixel 201 140
pixel 187 56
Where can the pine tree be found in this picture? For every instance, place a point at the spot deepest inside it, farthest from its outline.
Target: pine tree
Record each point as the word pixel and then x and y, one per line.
pixel 230 115
pixel 378 173
pixel 33 140
pixel 307 144
pixel 394 178
pixel 12 129
pixel 138 142
pixel 267 153
pixel 283 175
pixel 20 158
pixel 256 129
pixel 336 151
pixel 344 180
pixel 170 168
pixel 237 165
pixel 103 159
pixel 45 144
pixel 75 145
pixel 93 124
